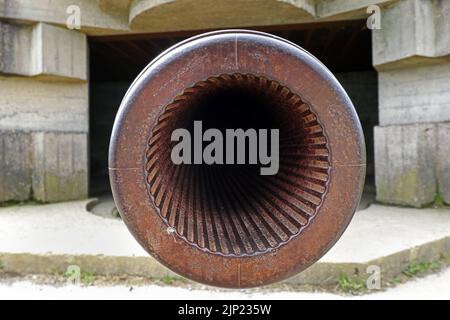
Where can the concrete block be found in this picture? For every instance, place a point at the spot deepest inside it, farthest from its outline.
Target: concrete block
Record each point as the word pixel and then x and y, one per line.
pixel 44 124
pixel 168 15
pixel 30 105
pixel 442 27
pixel 443 161
pixel 114 6
pixel 93 19
pixel 405 172
pixel 411 29
pixel 102 17
pixel 15 46
pixel 60 166
pixel 43 51
pixel 15 166
pixel 59 52
pixel 327 8
pixel 43 166
pixel 415 94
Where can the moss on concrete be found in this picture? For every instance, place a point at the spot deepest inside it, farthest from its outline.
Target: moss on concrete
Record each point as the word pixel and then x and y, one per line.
pixel 400 191
pixel 416 268
pixel 50 187
pixel 56 188
pixel 13 203
pixel 406 189
pixel 351 284
pixel 438 202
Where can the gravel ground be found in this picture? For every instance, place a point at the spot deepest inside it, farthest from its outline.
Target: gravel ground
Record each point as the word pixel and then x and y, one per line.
pixel 435 286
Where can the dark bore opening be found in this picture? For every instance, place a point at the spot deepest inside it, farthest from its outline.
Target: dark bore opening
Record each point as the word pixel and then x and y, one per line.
pixel 233 209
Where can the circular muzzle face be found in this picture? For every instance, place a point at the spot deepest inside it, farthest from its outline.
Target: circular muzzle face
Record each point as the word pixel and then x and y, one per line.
pixel 236 159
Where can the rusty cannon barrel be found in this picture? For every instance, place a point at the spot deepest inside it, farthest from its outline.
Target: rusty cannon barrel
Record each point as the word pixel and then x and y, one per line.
pixel 246 223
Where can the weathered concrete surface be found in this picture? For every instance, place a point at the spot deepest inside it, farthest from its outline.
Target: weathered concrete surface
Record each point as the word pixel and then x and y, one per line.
pixel 404 164
pixel 64 228
pixel 31 105
pixel 93 19
pixel 15 48
pixel 347 9
pixel 47 97
pixel 60 163
pixel 200 14
pixel 443 161
pixel 15 166
pixel 43 166
pixel 411 52
pixel 411 163
pixel 119 16
pixel 43 51
pixel 419 94
pixel 412 31
pixel 44 127
pixel 61 52
pixel 48 238
pixel 169 15
pixel 114 6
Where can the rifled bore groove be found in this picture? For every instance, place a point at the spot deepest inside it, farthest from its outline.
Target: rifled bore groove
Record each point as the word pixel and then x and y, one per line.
pixel 232 209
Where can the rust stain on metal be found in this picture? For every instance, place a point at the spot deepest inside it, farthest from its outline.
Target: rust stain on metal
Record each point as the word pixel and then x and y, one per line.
pixel 207 221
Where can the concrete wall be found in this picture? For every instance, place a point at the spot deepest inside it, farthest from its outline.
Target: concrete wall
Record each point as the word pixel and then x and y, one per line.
pixel 413 164
pixel 33 105
pixel 43 51
pixel 415 94
pixel 42 166
pixel 412 55
pixel 123 16
pixel 43 113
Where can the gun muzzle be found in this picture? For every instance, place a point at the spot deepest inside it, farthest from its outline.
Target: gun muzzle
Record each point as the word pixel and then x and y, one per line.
pixel 227 224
